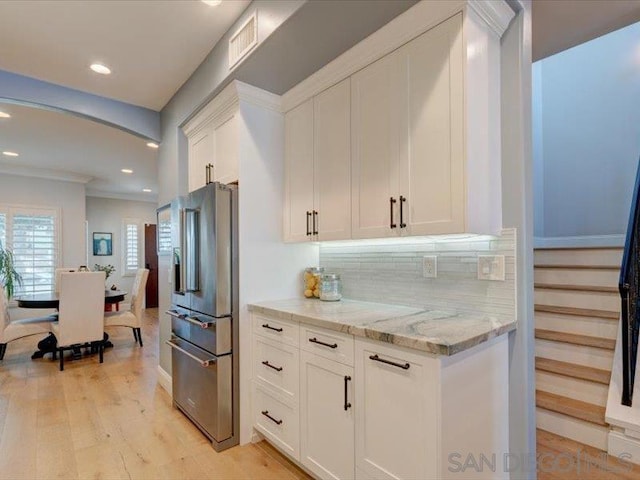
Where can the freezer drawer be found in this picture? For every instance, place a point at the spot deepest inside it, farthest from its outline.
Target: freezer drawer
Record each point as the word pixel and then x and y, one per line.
pixel 209 333
pixel 202 388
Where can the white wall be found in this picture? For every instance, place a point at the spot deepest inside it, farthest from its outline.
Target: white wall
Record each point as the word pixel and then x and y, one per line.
pixel 106 215
pixel 67 196
pixel 587 136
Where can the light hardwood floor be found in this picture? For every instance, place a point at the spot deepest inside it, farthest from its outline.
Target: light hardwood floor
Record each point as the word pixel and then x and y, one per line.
pixel 110 421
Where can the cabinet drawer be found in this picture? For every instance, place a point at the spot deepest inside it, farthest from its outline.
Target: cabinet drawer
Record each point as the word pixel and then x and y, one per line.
pixel 327 343
pixel 282 330
pixel 278 422
pixel 275 366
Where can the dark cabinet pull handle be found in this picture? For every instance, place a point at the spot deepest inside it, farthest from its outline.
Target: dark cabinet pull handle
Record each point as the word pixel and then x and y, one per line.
pixel 402 200
pixel 308 227
pixel 266 414
pixel 266 325
pixel 267 364
pixel 376 358
pixel 347 405
pixel 206 174
pixel 315 224
pixel 330 345
pixel 392 202
pixel 210 173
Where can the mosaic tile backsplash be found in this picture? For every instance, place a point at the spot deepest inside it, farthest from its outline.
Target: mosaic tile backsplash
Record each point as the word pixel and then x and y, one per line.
pixel 392 273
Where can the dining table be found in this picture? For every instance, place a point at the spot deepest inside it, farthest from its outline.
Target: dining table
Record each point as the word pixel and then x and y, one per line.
pixel 51 300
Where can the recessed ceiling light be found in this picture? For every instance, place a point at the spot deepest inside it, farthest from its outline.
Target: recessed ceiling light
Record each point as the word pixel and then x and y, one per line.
pixel 4 115
pixel 10 154
pixel 152 145
pixel 146 190
pixel 126 170
pixel 101 69
pixel 212 3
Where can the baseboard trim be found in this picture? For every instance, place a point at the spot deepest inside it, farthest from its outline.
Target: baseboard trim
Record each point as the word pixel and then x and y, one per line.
pixel 623 447
pixel 579 241
pixel 164 379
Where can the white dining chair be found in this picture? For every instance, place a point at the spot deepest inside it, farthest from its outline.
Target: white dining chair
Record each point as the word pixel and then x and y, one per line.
pixel 133 317
pixel 80 313
pixel 13 330
pixel 60 271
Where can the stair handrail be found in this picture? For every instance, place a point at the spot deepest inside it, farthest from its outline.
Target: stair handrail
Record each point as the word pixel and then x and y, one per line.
pixel 629 287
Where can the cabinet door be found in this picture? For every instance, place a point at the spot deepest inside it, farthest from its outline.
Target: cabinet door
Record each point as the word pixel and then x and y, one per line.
pixel 201 153
pixel 298 173
pixel 375 95
pixel 332 162
pixel 326 418
pixel 225 169
pixel 396 426
pixel 432 162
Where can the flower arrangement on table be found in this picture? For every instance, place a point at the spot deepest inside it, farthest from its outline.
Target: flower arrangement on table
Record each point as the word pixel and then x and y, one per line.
pixel 107 269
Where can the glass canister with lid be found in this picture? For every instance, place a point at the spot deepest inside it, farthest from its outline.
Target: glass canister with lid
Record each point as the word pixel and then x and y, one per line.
pixel 330 287
pixel 312 281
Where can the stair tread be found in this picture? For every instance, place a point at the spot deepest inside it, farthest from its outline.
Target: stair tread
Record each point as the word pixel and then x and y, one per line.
pixel 577 288
pixel 565 266
pixel 574 370
pixel 581 312
pixel 570 407
pixel 575 339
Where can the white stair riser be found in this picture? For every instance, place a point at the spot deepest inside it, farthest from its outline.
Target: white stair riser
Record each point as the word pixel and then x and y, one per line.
pixel 592 326
pixel 604 256
pixel 583 390
pixel 573 428
pixel 596 278
pixel 591 300
pixel 566 352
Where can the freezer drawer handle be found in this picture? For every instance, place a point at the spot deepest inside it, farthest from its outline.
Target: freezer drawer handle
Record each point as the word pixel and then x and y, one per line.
pixel 330 345
pixel 266 414
pixel 198 323
pixel 266 325
pixel 204 363
pixel 376 358
pixel 267 364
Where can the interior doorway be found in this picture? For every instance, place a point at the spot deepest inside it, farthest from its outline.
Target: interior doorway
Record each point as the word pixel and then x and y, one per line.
pixel 151 263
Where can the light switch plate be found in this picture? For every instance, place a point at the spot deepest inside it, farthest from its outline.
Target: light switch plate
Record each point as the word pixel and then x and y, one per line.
pixel 491 267
pixel 430 266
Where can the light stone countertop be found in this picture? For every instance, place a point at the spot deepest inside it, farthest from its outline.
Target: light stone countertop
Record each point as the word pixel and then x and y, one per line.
pixel 432 331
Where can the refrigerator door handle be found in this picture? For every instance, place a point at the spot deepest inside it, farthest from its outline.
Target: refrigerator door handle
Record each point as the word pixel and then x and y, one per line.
pixel 181 256
pixel 192 255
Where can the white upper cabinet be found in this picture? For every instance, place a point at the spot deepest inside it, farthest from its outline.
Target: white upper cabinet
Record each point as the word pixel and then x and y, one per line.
pixel 375 141
pixel 424 126
pixel 318 167
pixel 298 215
pixel 214 133
pixel 332 162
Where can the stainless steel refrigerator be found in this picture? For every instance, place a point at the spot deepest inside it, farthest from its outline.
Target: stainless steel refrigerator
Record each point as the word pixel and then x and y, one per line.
pixel 204 311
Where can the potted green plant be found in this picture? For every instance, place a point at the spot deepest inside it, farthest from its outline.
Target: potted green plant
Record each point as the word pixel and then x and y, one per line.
pixel 9 277
pixel 107 269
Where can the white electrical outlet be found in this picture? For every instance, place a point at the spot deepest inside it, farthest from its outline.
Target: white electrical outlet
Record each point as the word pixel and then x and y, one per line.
pixel 491 267
pixel 430 266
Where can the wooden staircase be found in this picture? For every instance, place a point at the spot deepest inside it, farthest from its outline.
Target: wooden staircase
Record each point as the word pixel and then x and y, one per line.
pixel 577 310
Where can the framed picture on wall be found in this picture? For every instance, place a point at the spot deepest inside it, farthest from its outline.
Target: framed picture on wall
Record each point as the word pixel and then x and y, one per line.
pixel 102 244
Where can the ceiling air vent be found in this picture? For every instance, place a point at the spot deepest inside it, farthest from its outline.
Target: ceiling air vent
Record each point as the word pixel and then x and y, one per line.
pixel 243 40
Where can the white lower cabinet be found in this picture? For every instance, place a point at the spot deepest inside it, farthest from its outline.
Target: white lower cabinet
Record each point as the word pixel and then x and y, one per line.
pixel 396 409
pixel 367 409
pixel 326 417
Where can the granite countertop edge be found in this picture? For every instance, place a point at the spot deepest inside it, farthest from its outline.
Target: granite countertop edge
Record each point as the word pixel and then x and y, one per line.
pixel 422 343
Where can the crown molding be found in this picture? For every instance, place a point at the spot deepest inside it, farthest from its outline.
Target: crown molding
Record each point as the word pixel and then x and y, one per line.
pixel 44 173
pixel 497 15
pixel 227 101
pixel 136 197
pixel 405 27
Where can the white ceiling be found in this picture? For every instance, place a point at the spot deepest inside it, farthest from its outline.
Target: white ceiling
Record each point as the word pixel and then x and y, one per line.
pixel 561 24
pixel 61 146
pixel 151 46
